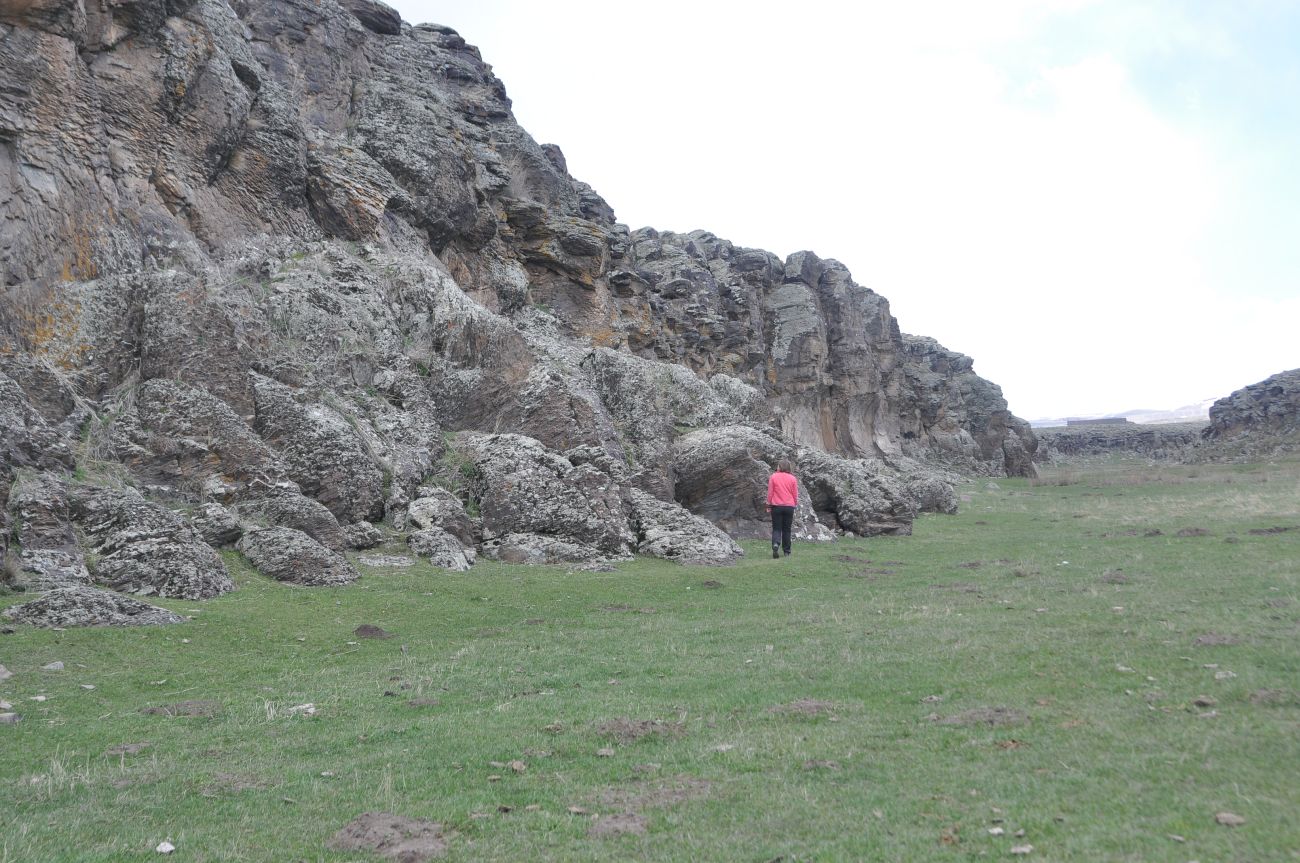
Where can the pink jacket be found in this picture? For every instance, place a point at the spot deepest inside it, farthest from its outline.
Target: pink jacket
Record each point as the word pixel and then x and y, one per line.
pixel 782 490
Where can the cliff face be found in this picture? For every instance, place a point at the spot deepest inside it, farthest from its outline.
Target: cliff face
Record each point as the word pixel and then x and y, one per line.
pixel 314 196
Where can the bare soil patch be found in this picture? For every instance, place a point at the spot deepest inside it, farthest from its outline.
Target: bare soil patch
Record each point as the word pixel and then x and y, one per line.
pixel 1114 576
pixel 970 564
pixel 1192 531
pixel 407 840
pixel 985 716
pixel 958 586
pixel 626 730
pixel 654 794
pixel 197 707
pixel 850 558
pixel 1267 531
pixel 1155 531
pixel 805 707
pixel 369 630
pixel 623 824
pixel 711 584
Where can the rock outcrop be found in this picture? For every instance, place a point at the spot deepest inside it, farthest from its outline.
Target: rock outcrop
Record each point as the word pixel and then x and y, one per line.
pixel 1166 442
pixel 88 606
pixel 1269 408
pixel 290 555
pixel 275 256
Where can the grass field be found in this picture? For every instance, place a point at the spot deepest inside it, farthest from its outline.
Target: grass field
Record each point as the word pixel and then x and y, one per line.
pixel 1031 664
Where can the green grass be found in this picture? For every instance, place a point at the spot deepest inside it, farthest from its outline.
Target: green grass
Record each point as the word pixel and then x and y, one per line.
pixel 1108 764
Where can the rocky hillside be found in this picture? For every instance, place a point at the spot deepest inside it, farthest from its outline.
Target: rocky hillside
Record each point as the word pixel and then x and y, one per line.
pixel 293 266
pixel 1262 419
pixel 1163 442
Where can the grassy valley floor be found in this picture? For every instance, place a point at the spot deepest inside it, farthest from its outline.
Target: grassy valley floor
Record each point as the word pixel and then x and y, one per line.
pixel 1026 673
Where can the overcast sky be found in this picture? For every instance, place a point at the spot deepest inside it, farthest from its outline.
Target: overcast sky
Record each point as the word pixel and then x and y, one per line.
pixel 1098 201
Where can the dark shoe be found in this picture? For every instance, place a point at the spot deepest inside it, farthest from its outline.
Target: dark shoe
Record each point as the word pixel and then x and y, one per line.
pixel 776 552
pixel 787 552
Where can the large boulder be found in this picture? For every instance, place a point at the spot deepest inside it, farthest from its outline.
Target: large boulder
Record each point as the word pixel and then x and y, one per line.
pixel 442 548
pixel 325 454
pixel 721 474
pixel 855 494
pixel 437 507
pixel 533 548
pixel 523 488
pixel 217 525
pixel 668 530
pixel 88 606
pixel 288 508
pixel 290 555
pixel 145 549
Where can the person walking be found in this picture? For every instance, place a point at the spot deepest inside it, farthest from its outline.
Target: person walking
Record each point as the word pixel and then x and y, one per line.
pixel 782 498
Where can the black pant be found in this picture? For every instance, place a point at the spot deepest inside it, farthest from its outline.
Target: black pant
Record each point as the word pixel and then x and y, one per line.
pixel 782 521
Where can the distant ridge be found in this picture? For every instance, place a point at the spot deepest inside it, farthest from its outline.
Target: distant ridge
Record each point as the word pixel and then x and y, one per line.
pixel 1195 412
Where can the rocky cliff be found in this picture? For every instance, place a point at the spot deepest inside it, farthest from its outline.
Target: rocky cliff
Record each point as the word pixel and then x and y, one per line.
pixel 1262 419
pixel 297 259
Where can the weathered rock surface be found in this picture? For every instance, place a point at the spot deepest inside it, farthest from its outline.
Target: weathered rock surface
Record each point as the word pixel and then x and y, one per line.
pixel 144 549
pixel 216 525
pixel 1165 442
pixel 42 524
pixel 669 531
pixel 279 248
pixel 443 549
pixel 362 535
pixel 440 508
pixel 288 508
pixel 290 555
pixel 523 488
pixel 326 456
pixel 855 495
pixel 88 606
pixel 721 474
pixel 1270 408
pixel 533 548
pixel 955 417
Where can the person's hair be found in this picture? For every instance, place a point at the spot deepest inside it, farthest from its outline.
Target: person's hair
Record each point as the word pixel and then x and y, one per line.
pixel 784 466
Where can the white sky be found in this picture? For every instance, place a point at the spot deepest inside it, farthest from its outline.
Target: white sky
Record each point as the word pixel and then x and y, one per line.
pixel 1098 201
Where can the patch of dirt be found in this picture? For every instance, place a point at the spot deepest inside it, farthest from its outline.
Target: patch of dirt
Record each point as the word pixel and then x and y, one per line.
pixel 1214 639
pixel 653 795
pixel 626 730
pixel 534 621
pixel 985 716
pixel 821 764
pixel 623 824
pixel 1192 531
pixel 1010 743
pixel 1155 531
pixel 369 630
pixel 184 708
pixel 1114 576
pixel 712 584
pixel 970 564
pixel 805 707
pixel 849 558
pixel 407 840
pixel 1278 602
pixel 1266 531
pixel 1273 696
pixel 958 586
pixel 128 748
